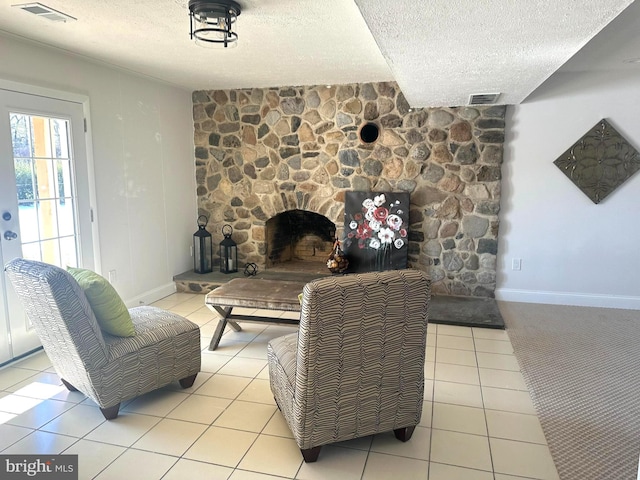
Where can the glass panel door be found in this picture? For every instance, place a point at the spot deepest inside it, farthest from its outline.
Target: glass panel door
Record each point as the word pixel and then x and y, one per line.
pixel 45 213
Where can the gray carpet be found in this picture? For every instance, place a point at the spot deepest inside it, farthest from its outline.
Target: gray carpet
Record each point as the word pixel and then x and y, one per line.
pixel 582 367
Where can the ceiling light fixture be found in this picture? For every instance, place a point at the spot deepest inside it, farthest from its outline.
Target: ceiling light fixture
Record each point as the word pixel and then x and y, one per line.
pixel 212 22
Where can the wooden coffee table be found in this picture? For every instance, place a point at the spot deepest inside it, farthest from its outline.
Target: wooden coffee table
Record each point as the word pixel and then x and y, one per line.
pixel 252 293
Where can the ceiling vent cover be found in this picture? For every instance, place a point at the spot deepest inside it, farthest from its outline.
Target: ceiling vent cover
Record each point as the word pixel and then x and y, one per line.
pixel 483 98
pixel 44 12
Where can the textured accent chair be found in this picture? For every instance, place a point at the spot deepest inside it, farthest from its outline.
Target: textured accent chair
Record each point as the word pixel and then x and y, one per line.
pixel 106 368
pixel 356 365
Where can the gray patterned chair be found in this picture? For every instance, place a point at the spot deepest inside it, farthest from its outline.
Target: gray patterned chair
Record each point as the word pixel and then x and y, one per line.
pixel 356 365
pixel 106 368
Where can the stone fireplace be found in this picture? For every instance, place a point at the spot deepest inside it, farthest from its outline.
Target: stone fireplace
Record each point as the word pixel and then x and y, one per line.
pixel 264 152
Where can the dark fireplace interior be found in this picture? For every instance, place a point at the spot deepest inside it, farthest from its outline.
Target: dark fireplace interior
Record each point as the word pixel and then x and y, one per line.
pixel 299 240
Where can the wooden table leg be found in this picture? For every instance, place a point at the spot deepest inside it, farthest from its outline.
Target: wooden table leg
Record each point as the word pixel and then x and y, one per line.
pixel 224 319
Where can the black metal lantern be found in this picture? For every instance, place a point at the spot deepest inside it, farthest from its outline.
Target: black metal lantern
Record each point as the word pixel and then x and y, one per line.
pixel 202 248
pixel 228 252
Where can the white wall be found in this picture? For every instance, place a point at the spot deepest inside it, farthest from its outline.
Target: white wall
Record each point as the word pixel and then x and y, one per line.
pixel 573 251
pixel 142 133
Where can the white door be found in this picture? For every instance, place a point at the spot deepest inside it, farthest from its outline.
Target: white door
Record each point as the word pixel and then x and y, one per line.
pixel 45 213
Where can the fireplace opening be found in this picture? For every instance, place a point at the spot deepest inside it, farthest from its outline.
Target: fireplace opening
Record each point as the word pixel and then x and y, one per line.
pixel 299 240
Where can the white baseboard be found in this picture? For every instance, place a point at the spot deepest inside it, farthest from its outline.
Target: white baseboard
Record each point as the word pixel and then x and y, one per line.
pixel 568 298
pixel 152 295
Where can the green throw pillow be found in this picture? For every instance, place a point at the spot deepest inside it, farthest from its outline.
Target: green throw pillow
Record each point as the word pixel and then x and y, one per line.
pixel 109 309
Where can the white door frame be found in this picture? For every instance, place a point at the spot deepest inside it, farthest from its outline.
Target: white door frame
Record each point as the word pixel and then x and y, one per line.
pixel 84 100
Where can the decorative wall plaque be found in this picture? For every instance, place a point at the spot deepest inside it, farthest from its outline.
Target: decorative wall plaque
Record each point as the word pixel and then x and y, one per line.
pixel 599 162
pixel 376 226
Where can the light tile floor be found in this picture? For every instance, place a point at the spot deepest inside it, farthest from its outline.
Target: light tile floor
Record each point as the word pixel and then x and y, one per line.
pixel 478 421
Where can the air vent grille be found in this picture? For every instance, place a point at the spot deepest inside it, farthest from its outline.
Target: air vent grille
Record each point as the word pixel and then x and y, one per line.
pixel 45 12
pixel 483 98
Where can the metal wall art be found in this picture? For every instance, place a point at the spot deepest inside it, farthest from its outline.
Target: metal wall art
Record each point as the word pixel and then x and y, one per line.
pixel 599 162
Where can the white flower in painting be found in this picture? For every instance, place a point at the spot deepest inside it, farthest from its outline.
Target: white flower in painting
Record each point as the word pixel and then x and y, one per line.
pixel 394 221
pixel 369 215
pixel 374 243
pixel 375 225
pixel 385 235
pixel 353 225
pixel 379 200
pixel 368 204
pixel 398 243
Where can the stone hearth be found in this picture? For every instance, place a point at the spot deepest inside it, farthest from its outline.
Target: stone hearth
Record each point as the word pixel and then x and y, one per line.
pixel 262 152
pixel 443 309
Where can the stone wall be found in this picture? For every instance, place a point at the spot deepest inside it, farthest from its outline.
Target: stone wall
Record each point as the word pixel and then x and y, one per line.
pixel 260 152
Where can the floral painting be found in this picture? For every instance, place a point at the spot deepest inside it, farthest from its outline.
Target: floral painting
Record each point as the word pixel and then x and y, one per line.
pixel 376 228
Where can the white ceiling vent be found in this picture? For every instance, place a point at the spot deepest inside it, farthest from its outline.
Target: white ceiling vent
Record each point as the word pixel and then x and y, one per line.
pixel 483 98
pixel 45 12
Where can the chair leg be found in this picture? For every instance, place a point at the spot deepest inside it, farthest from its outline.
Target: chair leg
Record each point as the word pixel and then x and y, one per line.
pixel 110 412
pixel 310 454
pixel 188 381
pixel 70 387
pixel 404 434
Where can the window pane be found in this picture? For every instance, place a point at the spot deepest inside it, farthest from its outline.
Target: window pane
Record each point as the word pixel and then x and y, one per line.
pixel 47 219
pixel 65 217
pixel 45 179
pixel 20 135
pixel 69 252
pixel 60 132
pixel 63 178
pixel 50 251
pixel 28 222
pixel 24 179
pixel 41 137
pixel 31 251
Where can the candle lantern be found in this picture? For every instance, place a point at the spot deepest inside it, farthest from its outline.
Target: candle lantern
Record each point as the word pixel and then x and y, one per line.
pixel 228 251
pixel 202 248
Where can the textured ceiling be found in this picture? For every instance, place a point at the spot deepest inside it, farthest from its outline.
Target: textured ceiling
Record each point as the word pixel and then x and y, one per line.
pixel 438 51
pixel 441 51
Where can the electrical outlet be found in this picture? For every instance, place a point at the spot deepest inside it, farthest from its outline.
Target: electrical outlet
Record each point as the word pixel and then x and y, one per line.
pixel 112 276
pixel 516 264
pixel 191 250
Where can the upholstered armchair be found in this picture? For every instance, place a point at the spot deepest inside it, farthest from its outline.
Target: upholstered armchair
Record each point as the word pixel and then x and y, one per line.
pixel 108 369
pixel 356 365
